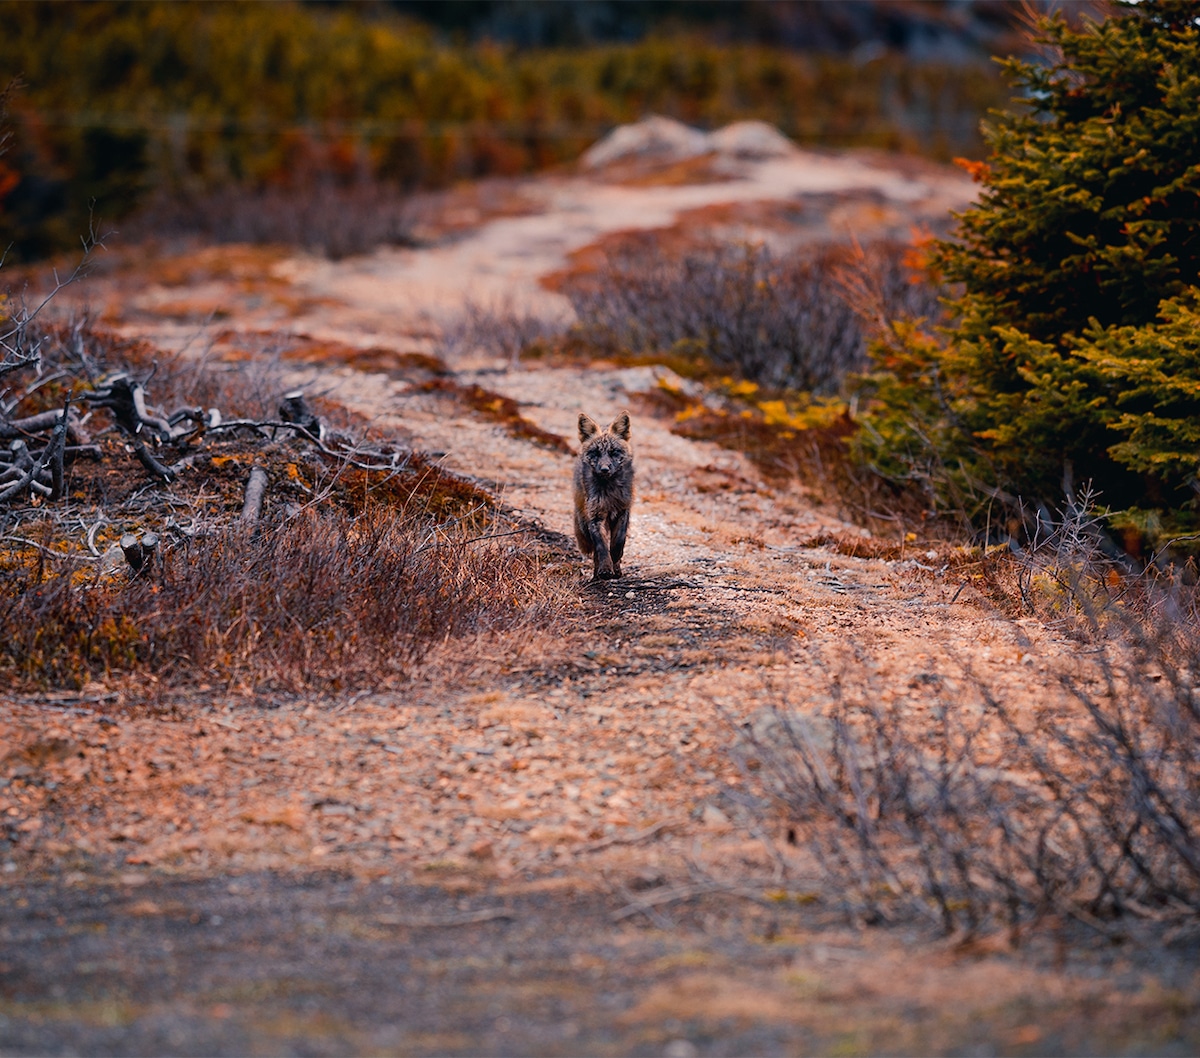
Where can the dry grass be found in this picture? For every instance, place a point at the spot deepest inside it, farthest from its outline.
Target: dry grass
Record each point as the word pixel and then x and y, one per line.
pixel 324 600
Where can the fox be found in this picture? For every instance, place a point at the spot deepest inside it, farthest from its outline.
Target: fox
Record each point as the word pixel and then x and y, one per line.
pixel 603 493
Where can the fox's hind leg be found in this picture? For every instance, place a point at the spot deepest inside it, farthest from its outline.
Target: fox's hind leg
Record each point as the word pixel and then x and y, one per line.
pixel 618 526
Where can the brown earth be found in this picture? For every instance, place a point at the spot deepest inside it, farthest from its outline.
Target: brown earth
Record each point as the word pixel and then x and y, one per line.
pixel 536 846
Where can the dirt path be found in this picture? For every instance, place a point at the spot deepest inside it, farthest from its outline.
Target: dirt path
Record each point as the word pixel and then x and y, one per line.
pixel 323 901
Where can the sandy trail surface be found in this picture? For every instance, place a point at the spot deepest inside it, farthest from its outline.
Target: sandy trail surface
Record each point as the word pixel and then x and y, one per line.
pixel 545 853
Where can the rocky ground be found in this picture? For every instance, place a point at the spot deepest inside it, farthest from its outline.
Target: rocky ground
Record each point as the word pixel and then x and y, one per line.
pixel 537 846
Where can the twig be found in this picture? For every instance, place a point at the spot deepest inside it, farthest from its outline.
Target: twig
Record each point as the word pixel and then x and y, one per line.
pixel 146 458
pixel 673 895
pixel 43 549
pixel 51 456
pixel 632 839
pixel 91 536
pixel 467 918
pixel 261 426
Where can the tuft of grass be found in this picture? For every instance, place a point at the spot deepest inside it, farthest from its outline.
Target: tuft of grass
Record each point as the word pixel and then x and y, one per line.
pixel 503 328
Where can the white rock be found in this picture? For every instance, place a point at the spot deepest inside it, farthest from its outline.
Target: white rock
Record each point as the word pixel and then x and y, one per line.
pixel 751 139
pixel 651 139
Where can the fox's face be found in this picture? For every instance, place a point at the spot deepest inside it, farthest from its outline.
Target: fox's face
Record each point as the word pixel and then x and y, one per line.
pixel 606 452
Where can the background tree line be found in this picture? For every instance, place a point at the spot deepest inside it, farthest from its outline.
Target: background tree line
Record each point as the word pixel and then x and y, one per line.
pixel 123 101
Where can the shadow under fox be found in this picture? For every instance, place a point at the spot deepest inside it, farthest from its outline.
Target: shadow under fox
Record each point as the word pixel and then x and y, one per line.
pixel 603 493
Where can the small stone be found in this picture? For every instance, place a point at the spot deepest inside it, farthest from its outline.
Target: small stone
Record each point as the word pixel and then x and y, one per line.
pixel 680 1049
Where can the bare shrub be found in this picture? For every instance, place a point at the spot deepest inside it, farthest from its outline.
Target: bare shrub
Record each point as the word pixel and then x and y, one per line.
pixel 499 327
pixel 973 811
pixel 780 321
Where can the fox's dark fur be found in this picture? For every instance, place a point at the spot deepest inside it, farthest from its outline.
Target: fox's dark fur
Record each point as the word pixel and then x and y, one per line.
pixel 603 493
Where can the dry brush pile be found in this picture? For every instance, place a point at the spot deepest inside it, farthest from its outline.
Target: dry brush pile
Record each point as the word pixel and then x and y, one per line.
pixel 243 536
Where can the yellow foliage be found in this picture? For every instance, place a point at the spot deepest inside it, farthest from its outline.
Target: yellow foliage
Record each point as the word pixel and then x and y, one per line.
pixel 742 388
pixel 805 416
pixel 691 412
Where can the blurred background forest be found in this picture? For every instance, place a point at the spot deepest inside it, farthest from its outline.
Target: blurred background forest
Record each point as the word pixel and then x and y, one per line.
pixel 120 109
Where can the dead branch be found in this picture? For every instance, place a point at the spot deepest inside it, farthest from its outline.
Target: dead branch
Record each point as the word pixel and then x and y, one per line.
pixel 49 464
pixel 18 349
pixel 266 427
pixel 125 397
pixel 633 839
pixel 146 458
pixel 657 897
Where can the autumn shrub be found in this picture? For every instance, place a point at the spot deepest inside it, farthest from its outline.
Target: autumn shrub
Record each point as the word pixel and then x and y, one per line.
pixel 1074 281
pixel 500 327
pixel 781 321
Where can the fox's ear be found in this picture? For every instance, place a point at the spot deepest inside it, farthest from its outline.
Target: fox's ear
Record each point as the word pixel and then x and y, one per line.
pixel 587 427
pixel 620 426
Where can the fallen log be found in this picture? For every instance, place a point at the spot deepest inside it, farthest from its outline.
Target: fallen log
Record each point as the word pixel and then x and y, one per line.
pixel 256 490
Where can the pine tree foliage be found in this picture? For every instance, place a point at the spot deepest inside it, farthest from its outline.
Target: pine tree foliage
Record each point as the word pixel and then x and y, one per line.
pixel 1073 351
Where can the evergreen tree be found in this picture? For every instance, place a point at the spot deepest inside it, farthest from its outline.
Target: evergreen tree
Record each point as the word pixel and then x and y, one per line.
pixel 1075 280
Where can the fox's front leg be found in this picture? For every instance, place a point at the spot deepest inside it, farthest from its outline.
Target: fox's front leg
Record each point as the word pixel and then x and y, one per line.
pixel 618 526
pixel 603 562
